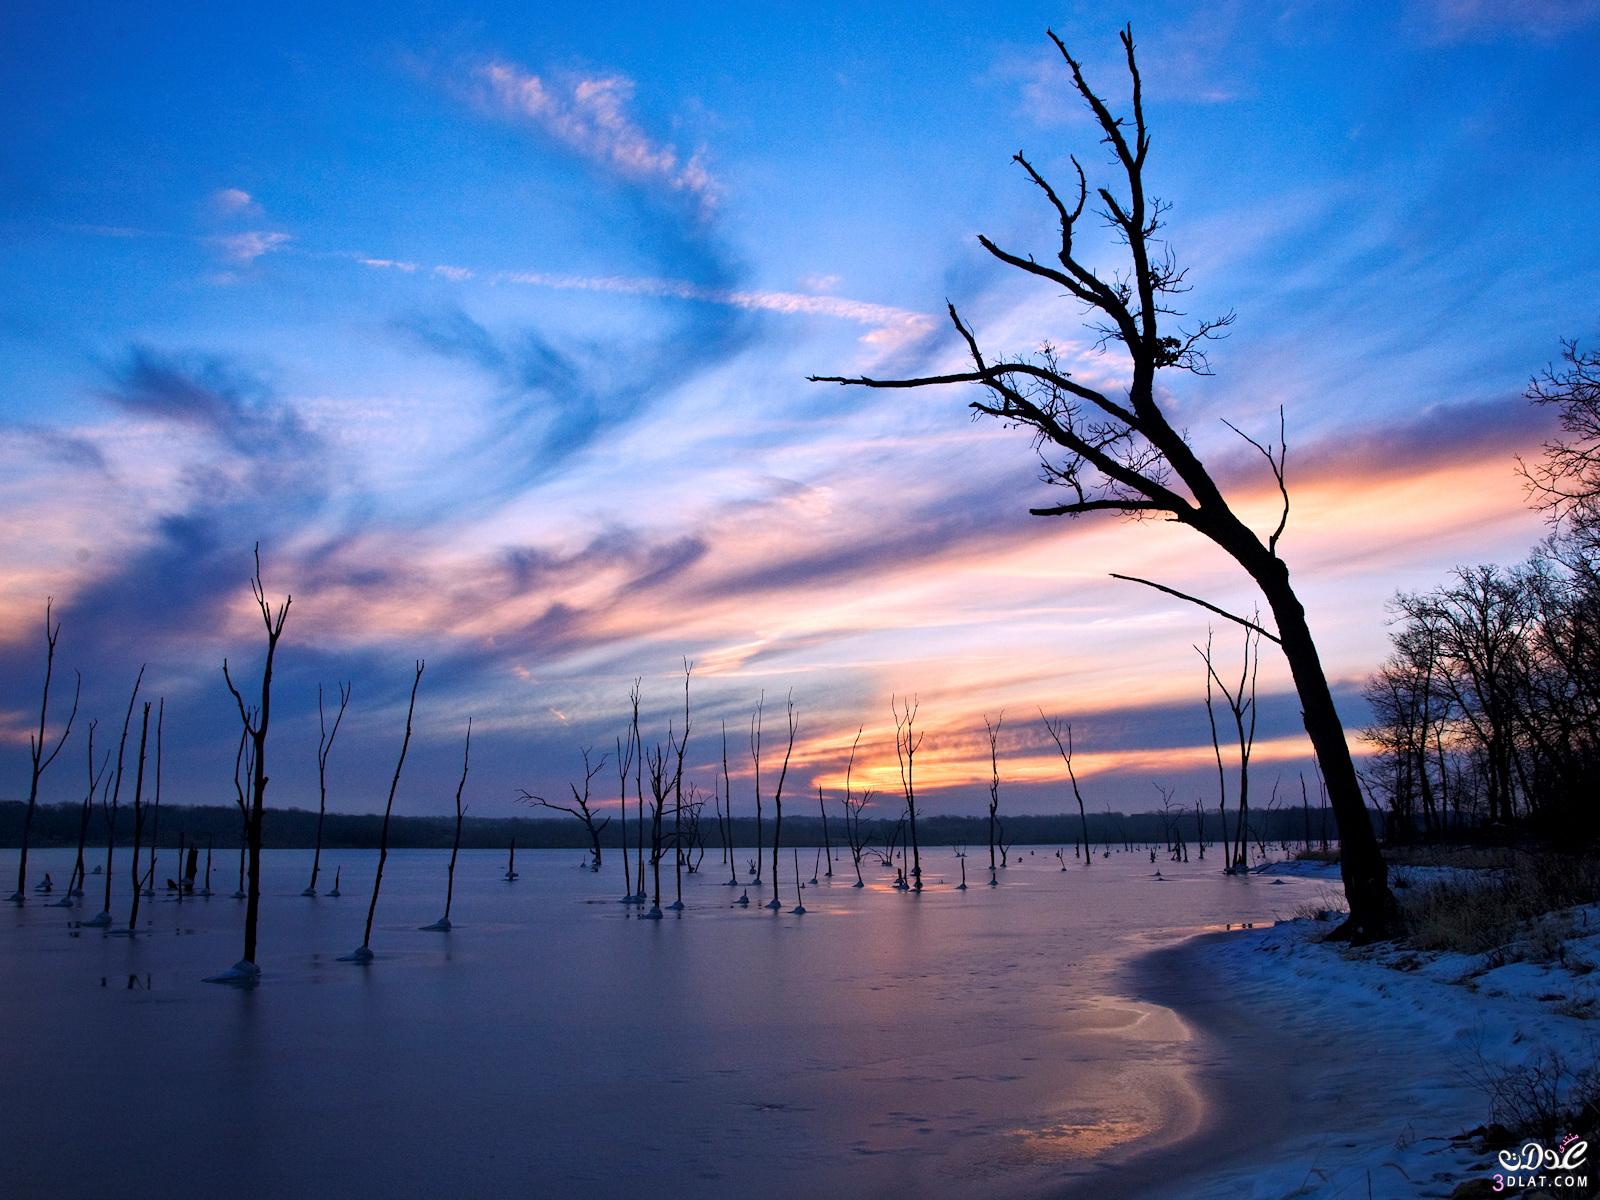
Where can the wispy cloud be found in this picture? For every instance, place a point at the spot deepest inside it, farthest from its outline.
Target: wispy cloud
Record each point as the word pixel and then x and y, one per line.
pixel 244 248
pixel 590 115
pixel 234 202
pixel 888 327
pixel 1455 20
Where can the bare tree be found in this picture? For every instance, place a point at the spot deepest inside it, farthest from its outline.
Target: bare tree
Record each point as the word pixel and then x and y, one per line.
pixel 906 744
pixel 363 952
pixel 155 813
pixel 255 723
pixel 108 805
pixel 442 925
pixel 1241 700
pixel 853 807
pixel 994 787
pixel 242 767
pixel 1061 734
pixel 138 821
pixel 660 788
pixel 777 804
pixel 75 885
pixel 325 736
pixel 638 782
pixel 625 752
pixel 579 807
pixel 827 843
pixel 1566 485
pixel 755 757
pixel 41 756
pixel 727 800
pixel 1123 455
pixel 677 796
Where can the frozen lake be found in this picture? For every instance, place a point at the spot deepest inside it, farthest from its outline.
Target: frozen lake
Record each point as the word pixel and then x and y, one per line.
pixel 553 1044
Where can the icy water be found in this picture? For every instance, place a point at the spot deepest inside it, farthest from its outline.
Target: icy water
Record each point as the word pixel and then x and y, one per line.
pixel 553 1044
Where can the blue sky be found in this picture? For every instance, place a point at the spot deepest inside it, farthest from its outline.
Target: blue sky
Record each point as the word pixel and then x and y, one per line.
pixel 494 331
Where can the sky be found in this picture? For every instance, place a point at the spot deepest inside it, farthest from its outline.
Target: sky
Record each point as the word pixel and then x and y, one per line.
pixel 493 331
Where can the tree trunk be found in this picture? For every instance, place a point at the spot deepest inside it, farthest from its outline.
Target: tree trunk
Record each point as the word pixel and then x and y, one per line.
pixel 1361 864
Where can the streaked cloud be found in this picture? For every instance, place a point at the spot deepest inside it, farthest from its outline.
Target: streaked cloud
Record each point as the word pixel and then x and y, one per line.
pixel 591 115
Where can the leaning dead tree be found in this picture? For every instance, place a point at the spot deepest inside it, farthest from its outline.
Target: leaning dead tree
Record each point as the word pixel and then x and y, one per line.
pixel 442 925
pixel 325 736
pixel 254 722
pixel 993 728
pixel 907 741
pixel 1121 453
pixel 138 820
pixel 108 804
pixel 40 755
pixel 1061 734
pixel 79 871
pixel 363 953
pixel 777 802
pixel 580 806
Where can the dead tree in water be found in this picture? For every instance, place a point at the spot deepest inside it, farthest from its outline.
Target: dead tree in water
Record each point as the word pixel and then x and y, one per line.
pixel 325 738
pixel 242 768
pixel 727 800
pixel 994 787
pixel 638 783
pixel 75 885
pixel 1057 730
pixel 755 757
pixel 1241 701
pixel 40 756
pixel 660 788
pixel 777 803
pixel 442 925
pixel 363 952
pixel 138 820
pixel 1122 454
pixel 155 815
pixel 255 722
pixel 625 754
pixel 827 842
pixel 677 796
pixel 579 807
pixel 906 743
pixel 108 806
pixel 853 806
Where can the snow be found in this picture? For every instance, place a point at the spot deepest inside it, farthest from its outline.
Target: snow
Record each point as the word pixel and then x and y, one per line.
pixel 1394 1047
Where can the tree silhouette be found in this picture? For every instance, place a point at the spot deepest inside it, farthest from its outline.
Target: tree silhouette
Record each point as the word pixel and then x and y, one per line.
pixel 254 723
pixel 1123 455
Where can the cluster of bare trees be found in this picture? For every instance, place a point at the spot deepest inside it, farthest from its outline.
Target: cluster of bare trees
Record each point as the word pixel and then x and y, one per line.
pixel 1487 712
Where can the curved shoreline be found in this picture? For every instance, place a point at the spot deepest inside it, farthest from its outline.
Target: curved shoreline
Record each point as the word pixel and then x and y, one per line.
pixel 1244 1069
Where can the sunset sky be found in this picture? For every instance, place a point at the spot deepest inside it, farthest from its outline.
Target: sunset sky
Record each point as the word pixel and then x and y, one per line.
pixel 494 332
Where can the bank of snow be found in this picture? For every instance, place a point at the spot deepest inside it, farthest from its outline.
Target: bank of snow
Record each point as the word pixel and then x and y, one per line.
pixel 1395 1047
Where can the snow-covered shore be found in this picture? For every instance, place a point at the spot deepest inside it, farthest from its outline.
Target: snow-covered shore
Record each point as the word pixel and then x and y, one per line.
pixel 1331 1070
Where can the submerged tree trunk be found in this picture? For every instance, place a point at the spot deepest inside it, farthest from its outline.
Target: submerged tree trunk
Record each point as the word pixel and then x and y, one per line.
pixel 364 953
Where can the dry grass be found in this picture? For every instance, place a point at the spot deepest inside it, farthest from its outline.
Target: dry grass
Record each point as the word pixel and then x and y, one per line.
pixel 1510 909
pixel 1544 1098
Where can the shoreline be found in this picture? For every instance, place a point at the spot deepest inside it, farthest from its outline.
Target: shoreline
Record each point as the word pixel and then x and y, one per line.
pixel 1329 1071
pixel 1241 1113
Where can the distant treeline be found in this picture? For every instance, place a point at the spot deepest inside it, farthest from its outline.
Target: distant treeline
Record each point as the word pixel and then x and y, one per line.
pixel 294 828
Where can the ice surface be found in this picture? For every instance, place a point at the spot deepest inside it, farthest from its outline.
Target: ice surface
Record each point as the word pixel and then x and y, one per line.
pixel 559 1044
